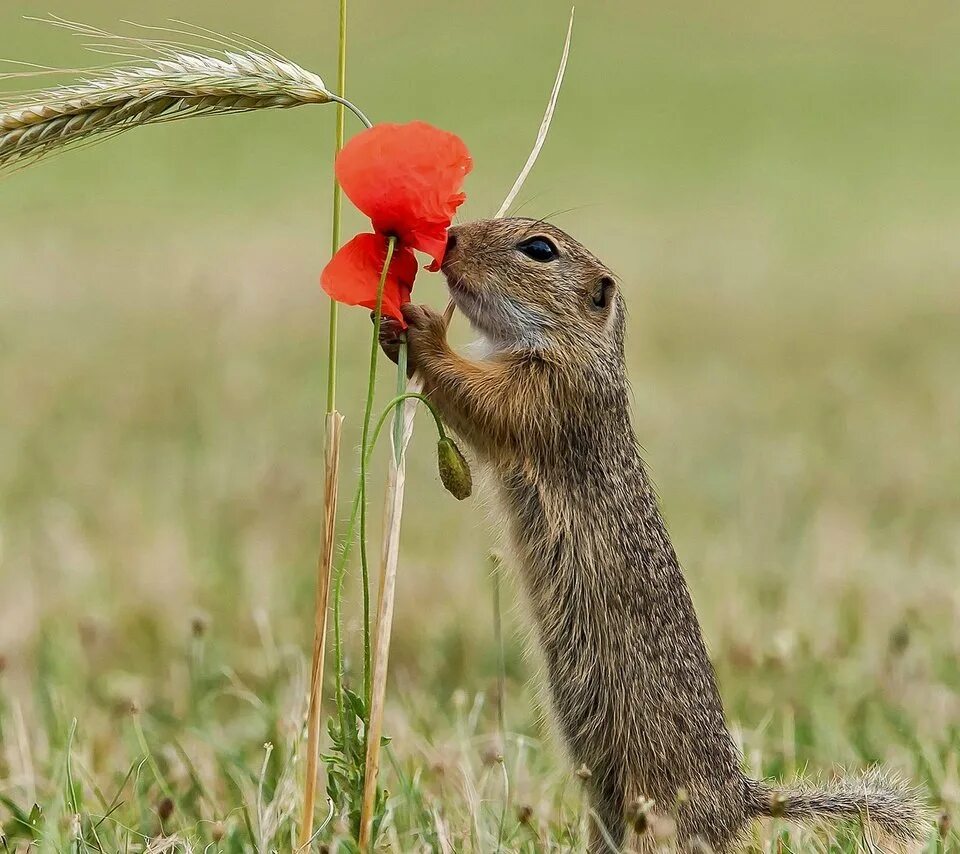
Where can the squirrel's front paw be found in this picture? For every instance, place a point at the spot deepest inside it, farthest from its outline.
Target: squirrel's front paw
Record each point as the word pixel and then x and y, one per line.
pixel 391 335
pixel 426 332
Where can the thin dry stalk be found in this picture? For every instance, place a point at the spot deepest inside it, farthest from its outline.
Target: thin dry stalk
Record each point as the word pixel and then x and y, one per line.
pixel 393 513
pixel 176 85
pixel 544 125
pixel 538 143
pixel 321 607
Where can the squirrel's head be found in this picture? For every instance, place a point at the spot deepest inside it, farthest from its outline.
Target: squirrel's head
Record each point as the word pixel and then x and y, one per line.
pixel 525 284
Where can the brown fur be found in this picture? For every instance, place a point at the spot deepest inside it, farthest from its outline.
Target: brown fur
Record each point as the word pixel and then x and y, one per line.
pixel 547 409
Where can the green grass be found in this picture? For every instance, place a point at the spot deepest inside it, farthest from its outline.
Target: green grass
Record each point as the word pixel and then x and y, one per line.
pixel 777 187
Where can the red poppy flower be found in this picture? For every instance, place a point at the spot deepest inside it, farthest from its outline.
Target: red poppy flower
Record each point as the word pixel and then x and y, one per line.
pixel 407 179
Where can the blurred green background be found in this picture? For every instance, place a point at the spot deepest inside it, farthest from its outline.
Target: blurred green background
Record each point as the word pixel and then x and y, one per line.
pixel 778 187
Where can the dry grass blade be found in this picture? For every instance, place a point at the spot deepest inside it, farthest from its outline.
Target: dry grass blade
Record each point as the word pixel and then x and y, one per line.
pixel 544 125
pixel 321 608
pixel 538 143
pixel 389 558
pixel 174 85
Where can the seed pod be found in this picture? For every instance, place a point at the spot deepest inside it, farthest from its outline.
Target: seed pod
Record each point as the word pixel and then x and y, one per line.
pixel 454 469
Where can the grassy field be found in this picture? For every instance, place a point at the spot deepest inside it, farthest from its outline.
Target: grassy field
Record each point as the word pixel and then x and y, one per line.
pixel 778 186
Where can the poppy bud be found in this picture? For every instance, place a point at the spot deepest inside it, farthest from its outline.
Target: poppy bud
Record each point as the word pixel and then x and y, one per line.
pixel 454 469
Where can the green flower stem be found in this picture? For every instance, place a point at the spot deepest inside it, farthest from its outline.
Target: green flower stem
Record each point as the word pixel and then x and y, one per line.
pixel 411 395
pixel 332 342
pixel 334 312
pixel 400 398
pixel 337 205
pixel 364 437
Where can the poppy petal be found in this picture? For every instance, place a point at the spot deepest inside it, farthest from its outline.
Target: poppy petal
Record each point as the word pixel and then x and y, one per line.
pixel 353 275
pixel 407 179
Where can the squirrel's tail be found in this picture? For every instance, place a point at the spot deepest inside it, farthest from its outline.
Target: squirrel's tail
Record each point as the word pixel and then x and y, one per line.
pixel 877 798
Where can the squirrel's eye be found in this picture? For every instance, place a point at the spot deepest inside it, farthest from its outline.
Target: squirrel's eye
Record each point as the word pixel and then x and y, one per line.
pixel 539 249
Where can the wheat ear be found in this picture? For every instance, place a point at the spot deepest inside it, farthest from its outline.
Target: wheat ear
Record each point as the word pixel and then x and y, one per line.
pixel 176 86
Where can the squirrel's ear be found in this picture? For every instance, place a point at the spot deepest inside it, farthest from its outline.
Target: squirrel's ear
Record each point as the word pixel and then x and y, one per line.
pixel 602 294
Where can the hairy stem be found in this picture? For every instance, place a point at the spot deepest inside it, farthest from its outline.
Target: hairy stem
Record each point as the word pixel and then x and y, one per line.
pixel 364 438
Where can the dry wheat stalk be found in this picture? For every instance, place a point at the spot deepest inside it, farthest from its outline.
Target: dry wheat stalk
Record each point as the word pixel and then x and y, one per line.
pixel 176 85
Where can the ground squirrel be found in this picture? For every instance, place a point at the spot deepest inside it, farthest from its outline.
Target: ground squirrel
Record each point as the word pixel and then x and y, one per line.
pixel 546 408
